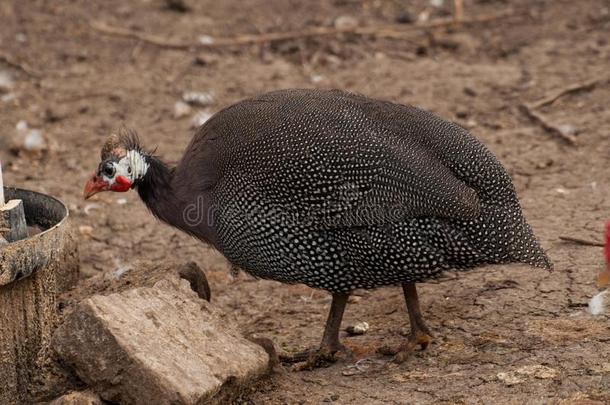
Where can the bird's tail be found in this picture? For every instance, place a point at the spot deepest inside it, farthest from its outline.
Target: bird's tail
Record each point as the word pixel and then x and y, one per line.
pixel 528 249
pixel 506 237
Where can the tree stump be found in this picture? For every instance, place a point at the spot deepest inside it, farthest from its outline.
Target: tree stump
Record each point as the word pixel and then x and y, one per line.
pixel 33 272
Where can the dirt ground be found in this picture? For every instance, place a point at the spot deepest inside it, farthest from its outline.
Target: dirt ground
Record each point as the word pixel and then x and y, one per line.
pixel 504 334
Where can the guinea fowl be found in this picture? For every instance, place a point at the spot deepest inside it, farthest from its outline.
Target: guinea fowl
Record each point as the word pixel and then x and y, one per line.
pixel 336 191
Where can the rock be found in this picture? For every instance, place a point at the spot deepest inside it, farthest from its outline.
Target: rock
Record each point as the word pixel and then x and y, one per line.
pixel 200 118
pixel 538 371
pixel 78 398
pixel 28 139
pixel 160 344
pixel 346 22
pixel 509 378
pixel 358 329
pixel 198 98
pixel 405 18
pixel 181 109
pixel 596 304
pixel 6 82
pixel 568 130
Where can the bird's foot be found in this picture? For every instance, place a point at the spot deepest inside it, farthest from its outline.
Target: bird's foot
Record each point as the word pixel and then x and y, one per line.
pixel 315 358
pixel 404 350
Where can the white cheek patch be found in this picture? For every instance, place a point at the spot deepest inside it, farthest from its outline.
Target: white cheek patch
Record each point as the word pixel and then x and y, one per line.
pixel 132 167
pixel 138 165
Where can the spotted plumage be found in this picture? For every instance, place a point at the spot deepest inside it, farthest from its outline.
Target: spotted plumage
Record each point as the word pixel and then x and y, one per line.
pixel 339 192
pixel 336 191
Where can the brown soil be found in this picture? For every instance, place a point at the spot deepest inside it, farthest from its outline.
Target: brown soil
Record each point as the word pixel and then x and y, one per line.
pixel 504 334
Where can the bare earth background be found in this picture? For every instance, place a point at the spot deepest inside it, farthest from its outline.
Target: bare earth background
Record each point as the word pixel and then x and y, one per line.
pixel 504 334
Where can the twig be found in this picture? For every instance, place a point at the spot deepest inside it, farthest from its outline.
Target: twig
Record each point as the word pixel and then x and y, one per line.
pixel 546 125
pixel 391 31
pixel 575 88
pixel 123 32
pixel 9 60
pixel 580 241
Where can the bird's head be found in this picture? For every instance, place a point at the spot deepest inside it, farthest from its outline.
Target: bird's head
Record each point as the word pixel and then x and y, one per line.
pixel 123 164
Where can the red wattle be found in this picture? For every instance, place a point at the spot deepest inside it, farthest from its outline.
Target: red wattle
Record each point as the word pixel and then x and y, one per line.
pixel 121 184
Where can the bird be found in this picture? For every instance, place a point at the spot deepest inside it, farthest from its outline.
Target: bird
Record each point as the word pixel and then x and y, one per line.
pixel 336 191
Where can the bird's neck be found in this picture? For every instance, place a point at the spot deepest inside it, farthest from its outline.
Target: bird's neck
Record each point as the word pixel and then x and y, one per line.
pixel 156 190
pixel 171 203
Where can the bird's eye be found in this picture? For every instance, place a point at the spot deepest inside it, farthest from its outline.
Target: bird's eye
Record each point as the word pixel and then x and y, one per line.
pixel 108 169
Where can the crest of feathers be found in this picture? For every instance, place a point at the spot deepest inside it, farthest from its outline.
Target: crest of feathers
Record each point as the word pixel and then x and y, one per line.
pixel 120 142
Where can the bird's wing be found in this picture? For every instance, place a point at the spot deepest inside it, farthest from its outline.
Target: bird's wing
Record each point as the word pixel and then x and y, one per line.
pixel 369 180
pixel 322 159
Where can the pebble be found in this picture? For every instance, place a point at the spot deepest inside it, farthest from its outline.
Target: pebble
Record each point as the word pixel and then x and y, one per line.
pixel 597 304
pixel 85 230
pixel 34 141
pixel 29 139
pixel 6 82
pixel 206 40
pixel 358 329
pixel 568 130
pixel 198 98
pixel 200 118
pixel 181 109
pixel 346 22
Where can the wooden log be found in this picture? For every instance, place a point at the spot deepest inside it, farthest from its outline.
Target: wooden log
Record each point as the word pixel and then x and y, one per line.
pixel 33 272
pixel 12 221
pixel 12 218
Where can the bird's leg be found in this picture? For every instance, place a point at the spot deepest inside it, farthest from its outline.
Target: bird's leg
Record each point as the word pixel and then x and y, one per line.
pixel 330 340
pixel 420 334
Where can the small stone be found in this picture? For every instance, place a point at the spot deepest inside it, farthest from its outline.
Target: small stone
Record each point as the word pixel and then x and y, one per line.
pixel 346 22
pixel 358 329
pixel 316 78
pixel 85 230
pixel 538 371
pixel 34 141
pixel 461 113
pixel 469 91
pixel 6 82
pixel 568 130
pixel 471 123
pixel 405 18
pixel 597 305
pixel 200 118
pixel 206 40
pixel 181 109
pixel 21 126
pixel 509 378
pixel 198 98
pixel 78 398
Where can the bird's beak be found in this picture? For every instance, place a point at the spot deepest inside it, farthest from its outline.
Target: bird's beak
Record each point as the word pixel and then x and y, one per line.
pixel 94 186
